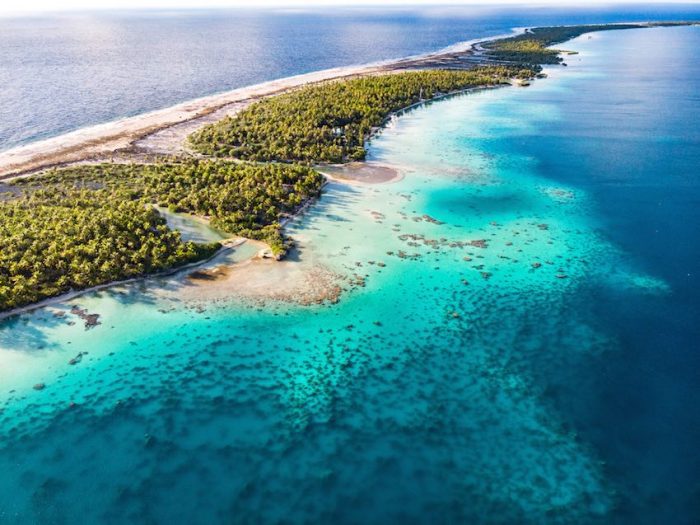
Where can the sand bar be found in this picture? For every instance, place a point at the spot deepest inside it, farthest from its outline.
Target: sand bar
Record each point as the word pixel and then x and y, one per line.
pixel 367 172
pixel 104 139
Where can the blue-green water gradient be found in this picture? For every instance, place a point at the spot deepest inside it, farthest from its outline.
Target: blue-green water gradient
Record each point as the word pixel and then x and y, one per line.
pixel 531 357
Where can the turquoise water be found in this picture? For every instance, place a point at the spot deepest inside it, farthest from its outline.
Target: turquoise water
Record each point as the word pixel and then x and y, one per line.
pixel 529 358
pixel 192 228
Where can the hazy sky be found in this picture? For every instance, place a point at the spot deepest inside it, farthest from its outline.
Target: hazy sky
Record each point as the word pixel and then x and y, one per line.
pixel 64 5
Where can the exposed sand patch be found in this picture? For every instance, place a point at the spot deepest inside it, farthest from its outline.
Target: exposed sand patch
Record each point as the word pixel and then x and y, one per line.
pixel 360 172
pixel 173 139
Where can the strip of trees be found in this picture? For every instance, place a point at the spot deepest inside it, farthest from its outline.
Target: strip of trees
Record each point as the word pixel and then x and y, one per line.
pixel 330 122
pixel 83 226
pixel 531 48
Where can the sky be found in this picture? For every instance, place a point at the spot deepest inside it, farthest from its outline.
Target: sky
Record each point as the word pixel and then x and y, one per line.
pixel 38 6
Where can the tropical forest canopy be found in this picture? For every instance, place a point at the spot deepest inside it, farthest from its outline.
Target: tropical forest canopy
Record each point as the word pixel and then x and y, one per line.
pixel 330 122
pixel 88 225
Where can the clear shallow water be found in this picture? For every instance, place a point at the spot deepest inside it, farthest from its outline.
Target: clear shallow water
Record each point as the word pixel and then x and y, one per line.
pixel 63 72
pixel 518 397
pixel 192 228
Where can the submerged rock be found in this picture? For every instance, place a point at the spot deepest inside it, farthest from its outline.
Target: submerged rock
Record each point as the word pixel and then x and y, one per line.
pixel 77 359
pixel 91 320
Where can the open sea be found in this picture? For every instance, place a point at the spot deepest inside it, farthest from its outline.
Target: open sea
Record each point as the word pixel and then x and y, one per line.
pixel 532 357
pixel 62 72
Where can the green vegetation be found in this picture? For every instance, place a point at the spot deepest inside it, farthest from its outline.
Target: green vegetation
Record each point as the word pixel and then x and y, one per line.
pixel 84 226
pixel 330 122
pixel 88 225
pixel 523 51
pixel 53 241
pixel 530 48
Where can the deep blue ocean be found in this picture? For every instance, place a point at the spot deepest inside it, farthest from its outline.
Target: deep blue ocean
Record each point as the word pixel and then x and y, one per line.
pixel 549 373
pixel 63 72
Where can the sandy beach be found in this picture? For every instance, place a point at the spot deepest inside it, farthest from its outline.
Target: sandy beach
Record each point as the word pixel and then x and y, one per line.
pixel 164 131
pixel 293 280
pixel 361 173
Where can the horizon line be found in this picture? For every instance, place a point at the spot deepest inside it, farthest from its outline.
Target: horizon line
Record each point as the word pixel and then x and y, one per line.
pixel 260 5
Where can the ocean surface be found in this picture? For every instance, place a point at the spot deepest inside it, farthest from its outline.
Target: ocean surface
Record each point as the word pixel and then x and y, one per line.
pixel 528 353
pixel 66 71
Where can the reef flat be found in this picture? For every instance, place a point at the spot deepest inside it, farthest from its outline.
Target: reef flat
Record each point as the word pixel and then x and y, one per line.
pixel 514 339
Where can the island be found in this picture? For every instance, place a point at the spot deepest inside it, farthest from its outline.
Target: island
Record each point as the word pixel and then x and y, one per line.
pixel 87 215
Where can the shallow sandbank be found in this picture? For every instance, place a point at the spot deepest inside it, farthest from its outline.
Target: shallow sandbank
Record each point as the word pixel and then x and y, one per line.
pixel 361 172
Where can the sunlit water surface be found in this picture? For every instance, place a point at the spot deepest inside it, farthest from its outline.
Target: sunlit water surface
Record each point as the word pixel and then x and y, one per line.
pixel 546 373
pixel 61 72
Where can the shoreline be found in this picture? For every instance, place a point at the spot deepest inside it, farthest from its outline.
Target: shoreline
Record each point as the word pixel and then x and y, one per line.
pixel 127 138
pixel 263 254
pixel 374 173
pixel 102 141
pixel 227 245
pixel 132 138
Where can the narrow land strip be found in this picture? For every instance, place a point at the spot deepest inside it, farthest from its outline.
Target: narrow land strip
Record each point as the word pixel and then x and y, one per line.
pixel 163 131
